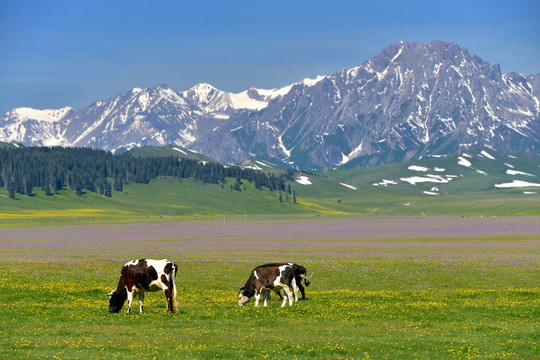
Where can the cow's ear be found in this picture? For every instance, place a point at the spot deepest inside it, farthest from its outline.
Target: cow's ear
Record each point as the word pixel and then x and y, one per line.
pixel 111 293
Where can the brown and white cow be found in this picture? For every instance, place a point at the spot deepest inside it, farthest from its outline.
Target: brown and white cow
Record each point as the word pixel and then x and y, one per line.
pixel 140 276
pixel 300 273
pixel 265 278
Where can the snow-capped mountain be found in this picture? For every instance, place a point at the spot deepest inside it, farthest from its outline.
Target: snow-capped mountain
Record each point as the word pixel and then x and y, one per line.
pixel 139 117
pixel 411 100
pixel 34 127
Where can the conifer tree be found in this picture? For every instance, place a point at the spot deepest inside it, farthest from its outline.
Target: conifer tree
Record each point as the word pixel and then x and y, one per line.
pixel 11 190
pixel 108 189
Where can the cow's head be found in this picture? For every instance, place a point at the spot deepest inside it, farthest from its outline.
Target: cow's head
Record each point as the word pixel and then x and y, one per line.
pixel 117 300
pixel 242 297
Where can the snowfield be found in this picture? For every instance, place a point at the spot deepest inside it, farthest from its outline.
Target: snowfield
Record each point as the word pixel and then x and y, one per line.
pixel 304 180
pixel 385 182
pixel 418 168
pixel 517 184
pixel 464 162
pixel 486 154
pixel 349 186
pixel 420 179
pixel 180 150
pixel 515 172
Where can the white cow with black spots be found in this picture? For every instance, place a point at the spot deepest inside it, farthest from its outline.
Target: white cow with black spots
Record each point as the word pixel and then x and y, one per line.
pixel 140 276
pixel 265 278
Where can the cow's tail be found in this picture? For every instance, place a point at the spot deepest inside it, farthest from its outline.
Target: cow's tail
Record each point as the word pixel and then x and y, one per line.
pixel 173 280
pixel 307 279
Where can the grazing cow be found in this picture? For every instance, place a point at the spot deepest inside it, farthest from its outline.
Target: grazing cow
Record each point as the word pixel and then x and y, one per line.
pixel 265 278
pixel 300 273
pixel 139 276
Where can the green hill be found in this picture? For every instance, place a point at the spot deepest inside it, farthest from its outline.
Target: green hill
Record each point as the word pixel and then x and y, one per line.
pixel 169 150
pixel 475 183
pixel 5 145
pixel 460 173
pixel 261 165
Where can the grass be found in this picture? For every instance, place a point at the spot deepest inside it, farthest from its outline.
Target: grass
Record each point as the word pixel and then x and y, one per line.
pixel 163 198
pixel 378 296
pixel 185 200
pixel 469 193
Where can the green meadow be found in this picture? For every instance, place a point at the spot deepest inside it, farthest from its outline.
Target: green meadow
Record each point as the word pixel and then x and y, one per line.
pixel 167 198
pixel 451 189
pixel 397 274
pixel 383 288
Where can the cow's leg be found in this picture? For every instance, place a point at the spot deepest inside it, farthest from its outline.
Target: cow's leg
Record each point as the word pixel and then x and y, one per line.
pixel 169 298
pixel 167 286
pixel 295 289
pixel 287 292
pixel 288 295
pixel 130 300
pixel 266 296
pixel 141 302
pixel 257 297
pixel 301 288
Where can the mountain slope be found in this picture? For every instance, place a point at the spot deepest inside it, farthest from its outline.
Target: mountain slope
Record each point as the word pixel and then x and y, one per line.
pixel 169 150
pixel 35 127
pixel 410 101
pixel 139 117
pixel 475 171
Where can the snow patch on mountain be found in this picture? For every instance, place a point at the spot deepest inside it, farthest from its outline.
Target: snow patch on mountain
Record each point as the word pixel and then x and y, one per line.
pixel 486 154
pixel 410 101
pixel 421 179
pixel 243 101
pixel 464 162
pixel 517 184
pixel 349 186
pixel 385 182
pixel 304 180
pixel 516 172
pixel 418 168
pixel 47 115
pixel 180 150
pixel 280 92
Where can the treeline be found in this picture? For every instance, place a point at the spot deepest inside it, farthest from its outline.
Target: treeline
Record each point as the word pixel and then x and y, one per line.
pixel 82 169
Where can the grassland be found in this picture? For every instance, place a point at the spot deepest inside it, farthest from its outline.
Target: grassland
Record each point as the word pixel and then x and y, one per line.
pixel 457 190
pixel 397 273
pixel 166 199
pixel 163 198
pixel 397 288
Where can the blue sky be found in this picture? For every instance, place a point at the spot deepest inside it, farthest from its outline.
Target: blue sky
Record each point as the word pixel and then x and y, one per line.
pixel 72 53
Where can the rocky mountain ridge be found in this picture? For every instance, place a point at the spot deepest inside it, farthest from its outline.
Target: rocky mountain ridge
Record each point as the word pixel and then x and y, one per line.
pixel 413 100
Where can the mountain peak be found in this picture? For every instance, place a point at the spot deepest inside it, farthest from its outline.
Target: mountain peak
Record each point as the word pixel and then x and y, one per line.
pixel 48 115
pixel 437 48
pixel 203 88
pixel 162 86
pixel 411 100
